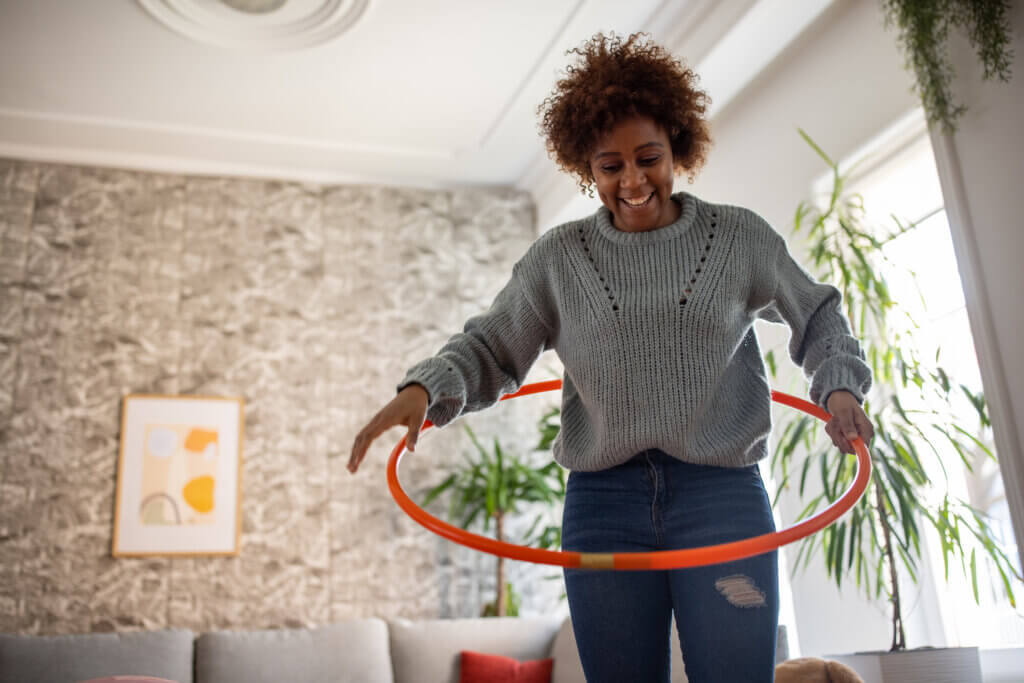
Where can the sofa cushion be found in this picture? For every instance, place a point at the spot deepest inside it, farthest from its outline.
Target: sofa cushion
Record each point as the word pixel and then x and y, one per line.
pixel 64 659
pixel 427 651
pixel 480 667
pixel 348 652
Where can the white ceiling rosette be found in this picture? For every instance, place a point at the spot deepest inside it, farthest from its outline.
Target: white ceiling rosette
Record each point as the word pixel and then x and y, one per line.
pixel 257 25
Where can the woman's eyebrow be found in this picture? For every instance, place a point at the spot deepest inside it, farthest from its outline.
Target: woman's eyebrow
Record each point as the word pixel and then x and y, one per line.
pixel 653 143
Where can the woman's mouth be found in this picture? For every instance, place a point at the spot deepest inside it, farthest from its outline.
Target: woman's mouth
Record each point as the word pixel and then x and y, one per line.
pixel 637 202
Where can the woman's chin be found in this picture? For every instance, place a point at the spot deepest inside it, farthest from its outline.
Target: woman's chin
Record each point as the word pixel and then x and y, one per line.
pixel 636 224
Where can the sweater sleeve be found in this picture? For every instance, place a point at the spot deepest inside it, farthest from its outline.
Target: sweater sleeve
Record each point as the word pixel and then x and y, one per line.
pixel 488 359
pixel 821 341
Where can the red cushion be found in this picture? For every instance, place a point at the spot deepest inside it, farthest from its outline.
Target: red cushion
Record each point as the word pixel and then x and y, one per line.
pixel 478 667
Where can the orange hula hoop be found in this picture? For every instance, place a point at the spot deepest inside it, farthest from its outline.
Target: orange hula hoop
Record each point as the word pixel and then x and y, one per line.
pixel 662 559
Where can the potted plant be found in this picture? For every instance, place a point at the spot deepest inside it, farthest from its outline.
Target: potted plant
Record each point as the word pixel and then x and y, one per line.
pixel 883 531
pixel 499 484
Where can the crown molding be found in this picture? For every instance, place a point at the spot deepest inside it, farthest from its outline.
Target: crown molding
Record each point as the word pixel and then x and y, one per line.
pixel 23 124
pixel 98 141
pixel 190 166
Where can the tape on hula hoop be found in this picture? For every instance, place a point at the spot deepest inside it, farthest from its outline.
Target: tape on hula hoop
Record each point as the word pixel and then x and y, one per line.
pixel 663 559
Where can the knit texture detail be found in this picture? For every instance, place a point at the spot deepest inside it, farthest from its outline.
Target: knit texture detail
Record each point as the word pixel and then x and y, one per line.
pixel 655 330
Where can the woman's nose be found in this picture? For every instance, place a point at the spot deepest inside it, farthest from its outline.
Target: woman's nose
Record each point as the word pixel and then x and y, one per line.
pixel 633 176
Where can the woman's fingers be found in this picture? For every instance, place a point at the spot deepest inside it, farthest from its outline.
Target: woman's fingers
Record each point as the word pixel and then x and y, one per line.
pixel 413 434
pixel 854 423
pixel 358 451
pixel 864 427
pixel 835 431
pixel 848 420
pixel 381 422
pixel 415 423
pixel 846 425
pixel 366 436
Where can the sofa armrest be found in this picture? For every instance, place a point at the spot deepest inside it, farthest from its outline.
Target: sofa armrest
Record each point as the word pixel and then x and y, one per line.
pixel 60 659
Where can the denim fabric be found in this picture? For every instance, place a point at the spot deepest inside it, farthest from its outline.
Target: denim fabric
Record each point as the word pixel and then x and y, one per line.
pixel 726 615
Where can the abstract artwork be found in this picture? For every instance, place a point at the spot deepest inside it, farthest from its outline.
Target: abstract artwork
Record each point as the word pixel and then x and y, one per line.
pixel 178 477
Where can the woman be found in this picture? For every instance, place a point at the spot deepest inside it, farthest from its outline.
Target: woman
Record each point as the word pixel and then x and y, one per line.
pixel 649 304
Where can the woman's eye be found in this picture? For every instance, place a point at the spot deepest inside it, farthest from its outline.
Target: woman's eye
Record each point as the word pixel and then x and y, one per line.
pixel 609 169
pixel 649 161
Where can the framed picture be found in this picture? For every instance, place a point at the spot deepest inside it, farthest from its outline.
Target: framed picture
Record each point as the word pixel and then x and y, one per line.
pixel 179 476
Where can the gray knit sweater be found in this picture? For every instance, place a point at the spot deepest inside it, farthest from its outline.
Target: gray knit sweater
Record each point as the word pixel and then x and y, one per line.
pixel 655 332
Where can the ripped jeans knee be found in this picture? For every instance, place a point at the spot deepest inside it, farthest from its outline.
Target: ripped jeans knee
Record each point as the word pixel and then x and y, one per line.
pixel 741 591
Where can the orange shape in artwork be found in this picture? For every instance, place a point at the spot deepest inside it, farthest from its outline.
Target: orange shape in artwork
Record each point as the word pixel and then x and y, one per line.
pixel 198 493
pixel 198 439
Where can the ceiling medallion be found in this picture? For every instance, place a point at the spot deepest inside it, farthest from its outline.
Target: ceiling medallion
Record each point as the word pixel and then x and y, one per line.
pixel 255 6
pixel 260 25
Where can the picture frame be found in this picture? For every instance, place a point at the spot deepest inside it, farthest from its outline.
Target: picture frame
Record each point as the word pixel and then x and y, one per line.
pixel 179 476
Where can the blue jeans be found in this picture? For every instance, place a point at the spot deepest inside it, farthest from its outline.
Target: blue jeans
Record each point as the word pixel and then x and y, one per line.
pixel 727 615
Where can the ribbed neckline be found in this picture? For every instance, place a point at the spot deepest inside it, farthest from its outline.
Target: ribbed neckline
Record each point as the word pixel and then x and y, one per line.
pixel 671 231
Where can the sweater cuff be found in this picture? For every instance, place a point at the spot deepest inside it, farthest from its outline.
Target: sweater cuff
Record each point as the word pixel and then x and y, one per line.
pixel 840 373
pixel 446 392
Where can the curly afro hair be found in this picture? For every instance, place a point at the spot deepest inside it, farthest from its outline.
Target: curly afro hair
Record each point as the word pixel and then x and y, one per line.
pixel 613 80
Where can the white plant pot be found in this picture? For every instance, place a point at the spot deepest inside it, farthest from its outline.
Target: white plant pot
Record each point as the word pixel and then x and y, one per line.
pixel 924 665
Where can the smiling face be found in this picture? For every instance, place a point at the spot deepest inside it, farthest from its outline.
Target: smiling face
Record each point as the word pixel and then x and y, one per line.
pixel 633 171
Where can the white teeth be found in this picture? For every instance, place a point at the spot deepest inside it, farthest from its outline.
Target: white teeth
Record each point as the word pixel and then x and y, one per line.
pixel 638 202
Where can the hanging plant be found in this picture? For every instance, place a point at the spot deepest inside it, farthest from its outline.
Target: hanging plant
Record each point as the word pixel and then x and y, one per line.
pixel 923 27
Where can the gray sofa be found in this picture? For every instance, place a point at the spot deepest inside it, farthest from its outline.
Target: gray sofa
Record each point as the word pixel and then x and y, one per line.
pixel 356 651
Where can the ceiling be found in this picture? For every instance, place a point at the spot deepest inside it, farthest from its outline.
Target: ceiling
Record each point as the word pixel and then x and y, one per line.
pixel 401 92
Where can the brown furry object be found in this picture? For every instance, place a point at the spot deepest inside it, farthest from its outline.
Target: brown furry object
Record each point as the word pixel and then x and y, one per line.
pixel 814 670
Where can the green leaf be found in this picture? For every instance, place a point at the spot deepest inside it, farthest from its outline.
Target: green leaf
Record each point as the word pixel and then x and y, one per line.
pixel 802 211
pixel 979 404
pixel 816 148
pixel 474 512
pixel 549 426
pixel 838 559
pixel 438 490
pixel 528 535
pixel 551 537
pixel 826 480
pixel 855 534
pixel 491 497
pixel 803 474
pixel 798 433
pixel 479 448
pixel 782 486
pixel 974 576
pixel 501 484
pixel 982 447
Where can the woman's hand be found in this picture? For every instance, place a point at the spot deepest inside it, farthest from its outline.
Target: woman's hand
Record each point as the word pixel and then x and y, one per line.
pixel 408 408
pixel 848 421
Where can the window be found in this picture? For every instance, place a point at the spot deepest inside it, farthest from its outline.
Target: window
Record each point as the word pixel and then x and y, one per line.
pixel 898 178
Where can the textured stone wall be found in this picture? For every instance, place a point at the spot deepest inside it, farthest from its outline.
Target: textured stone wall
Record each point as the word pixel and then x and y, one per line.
pixel 309 302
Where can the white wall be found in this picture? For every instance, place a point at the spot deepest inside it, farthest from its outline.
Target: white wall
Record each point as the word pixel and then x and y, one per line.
pixel 981 169
pixel 843 82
